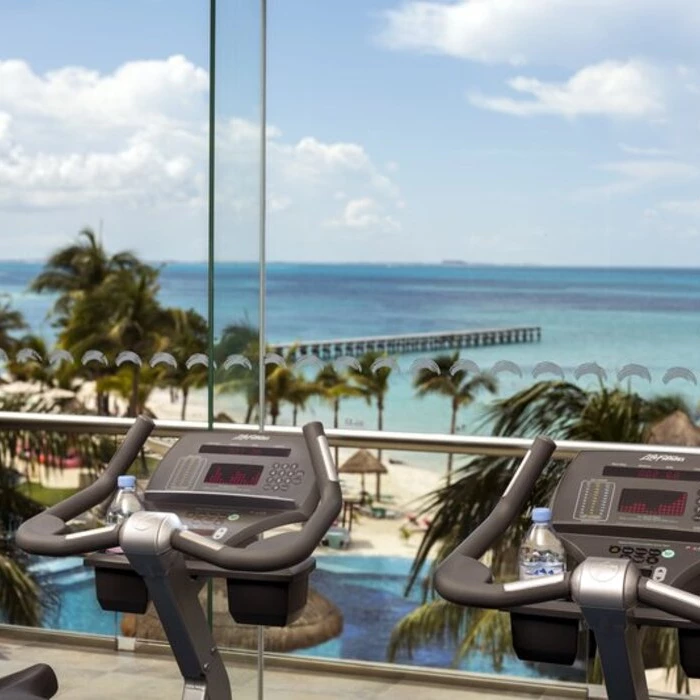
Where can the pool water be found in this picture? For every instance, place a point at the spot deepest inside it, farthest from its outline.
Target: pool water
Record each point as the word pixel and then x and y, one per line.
pixel 369 591
pixel 77 609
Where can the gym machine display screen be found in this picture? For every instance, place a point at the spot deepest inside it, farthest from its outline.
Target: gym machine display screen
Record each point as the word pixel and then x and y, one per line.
pixel 234 474
pixel 245 450
pixel 647 502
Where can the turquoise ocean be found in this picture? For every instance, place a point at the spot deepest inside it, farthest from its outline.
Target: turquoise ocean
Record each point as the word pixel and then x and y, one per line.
pixel 613 317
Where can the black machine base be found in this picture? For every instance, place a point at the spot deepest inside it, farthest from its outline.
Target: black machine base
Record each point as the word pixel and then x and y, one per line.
pixel 273 599
pixel 551 633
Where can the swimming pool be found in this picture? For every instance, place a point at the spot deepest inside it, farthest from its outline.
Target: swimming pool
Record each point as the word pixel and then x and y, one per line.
pixel 367 589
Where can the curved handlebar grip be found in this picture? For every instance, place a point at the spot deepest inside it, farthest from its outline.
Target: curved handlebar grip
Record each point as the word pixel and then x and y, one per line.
pixel 462 579
pixel 43 534
pixel 280 551
pixel 669 599
pixel 466 581
pixel 512 501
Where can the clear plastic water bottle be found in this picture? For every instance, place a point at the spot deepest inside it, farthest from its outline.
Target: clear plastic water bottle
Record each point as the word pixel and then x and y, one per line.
pixel 126 502
pixel 542 552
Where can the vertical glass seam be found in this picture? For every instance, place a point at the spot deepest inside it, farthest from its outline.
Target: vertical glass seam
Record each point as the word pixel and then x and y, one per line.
pixel 263 211
pixel 211 197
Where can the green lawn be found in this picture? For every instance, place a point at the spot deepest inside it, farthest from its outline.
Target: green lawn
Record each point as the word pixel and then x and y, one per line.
pixel 47 497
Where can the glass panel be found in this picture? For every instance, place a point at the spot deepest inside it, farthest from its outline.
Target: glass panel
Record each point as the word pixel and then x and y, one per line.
pixel 463 176
pixel 237 212
pixel 103 156
pixel 103 274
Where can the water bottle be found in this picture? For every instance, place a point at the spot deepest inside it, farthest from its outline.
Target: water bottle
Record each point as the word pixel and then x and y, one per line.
pixel 542 552
pixel 125 503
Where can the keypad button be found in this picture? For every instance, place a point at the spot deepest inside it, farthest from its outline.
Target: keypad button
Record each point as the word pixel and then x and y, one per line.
pixel 297 479
pixel 293 467
pixel 614 549
pixel 652 560
pixel 659 573
pixel 267 487
pixel 640 550
pixel 276 487
pixel 696 518
pixel 284 487
pixel 627 550
pixel 220 533
pixel 638 560
pixel 654 552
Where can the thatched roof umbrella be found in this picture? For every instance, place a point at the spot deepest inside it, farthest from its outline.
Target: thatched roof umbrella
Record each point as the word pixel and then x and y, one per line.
pixel 320 621
pixel 364 462
pixel 676 429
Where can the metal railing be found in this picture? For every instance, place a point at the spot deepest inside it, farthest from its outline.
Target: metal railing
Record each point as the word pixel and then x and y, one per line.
pixel 373 439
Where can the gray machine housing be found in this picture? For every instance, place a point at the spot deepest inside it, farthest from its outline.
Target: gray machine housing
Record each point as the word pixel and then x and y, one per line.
pixel 639 506
pixel 230 488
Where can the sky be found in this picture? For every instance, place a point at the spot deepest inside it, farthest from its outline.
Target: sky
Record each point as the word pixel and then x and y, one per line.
pixel 547 132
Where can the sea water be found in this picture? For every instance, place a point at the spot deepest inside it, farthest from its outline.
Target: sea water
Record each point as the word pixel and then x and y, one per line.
pixel 613 317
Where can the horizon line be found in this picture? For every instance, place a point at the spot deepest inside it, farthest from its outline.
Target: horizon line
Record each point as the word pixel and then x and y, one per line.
pixel 403 263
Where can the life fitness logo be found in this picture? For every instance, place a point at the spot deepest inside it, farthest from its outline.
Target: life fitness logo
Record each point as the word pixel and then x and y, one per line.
pixel 251 436
pixel 651 457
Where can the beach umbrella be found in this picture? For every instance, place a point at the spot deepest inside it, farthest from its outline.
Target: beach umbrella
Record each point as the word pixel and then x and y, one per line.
pixel 676 429
pixel 364 462
pixel 319 622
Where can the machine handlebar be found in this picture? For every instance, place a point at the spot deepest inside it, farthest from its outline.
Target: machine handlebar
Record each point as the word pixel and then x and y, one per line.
pixel 279 551
pixel 462 579
pixel 45 533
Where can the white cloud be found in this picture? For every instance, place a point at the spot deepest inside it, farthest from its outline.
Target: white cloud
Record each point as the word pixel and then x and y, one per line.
pixel 609 88
pixel 137 92
pixel 634 175
pixel 365 214
pixel 688 207
pixel 558 32
pixel 646 151
pixel 136 140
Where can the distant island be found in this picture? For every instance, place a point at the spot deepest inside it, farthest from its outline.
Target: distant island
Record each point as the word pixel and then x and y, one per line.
pixel 464 263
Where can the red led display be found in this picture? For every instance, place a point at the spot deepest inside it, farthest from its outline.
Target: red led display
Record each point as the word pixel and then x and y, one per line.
pixel 645 502
pixel 234 474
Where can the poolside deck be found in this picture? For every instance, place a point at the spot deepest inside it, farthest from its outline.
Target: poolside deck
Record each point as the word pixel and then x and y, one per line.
pixel 91 667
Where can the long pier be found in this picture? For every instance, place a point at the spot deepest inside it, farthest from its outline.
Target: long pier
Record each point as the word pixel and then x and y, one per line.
pixel 411 342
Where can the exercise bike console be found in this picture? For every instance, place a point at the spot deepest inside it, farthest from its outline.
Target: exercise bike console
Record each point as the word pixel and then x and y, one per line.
pixel 630 523
pixel 207 506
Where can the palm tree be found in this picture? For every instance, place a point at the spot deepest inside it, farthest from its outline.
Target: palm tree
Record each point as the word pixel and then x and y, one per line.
pixel 190 335
pixel 34 371
pixel 122 314
pixel 11 320
pixel 334 386
pixel 559 409
pixel 372 384
pixel 22 600
pixel 456 387
pixel 78 269
pixel 284 384
pixel 240 338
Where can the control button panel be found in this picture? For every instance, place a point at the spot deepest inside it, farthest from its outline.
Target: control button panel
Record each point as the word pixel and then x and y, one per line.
pixel 642 555
pixel 282 475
